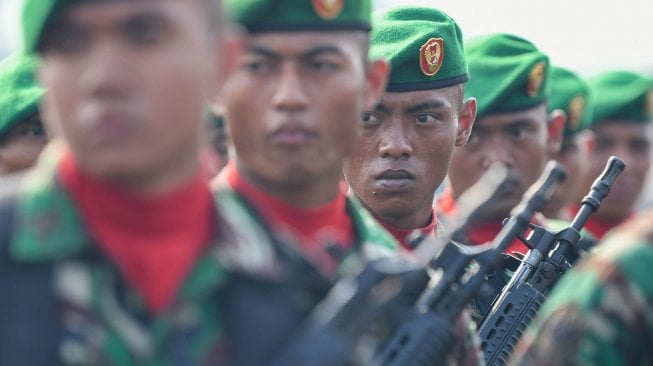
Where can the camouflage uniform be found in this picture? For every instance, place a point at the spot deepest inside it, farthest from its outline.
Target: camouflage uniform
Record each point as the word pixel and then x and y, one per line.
pixel 601 313
pixel 64 302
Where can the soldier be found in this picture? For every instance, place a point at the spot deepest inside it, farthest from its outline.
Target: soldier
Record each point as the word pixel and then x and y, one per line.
pixel 600 313
pixel 623 103
pixel 570 94
pixel 510 80
pixel 22 136
pixel 106 252
pixel 293 106
pixel 405 148
pixel 403 152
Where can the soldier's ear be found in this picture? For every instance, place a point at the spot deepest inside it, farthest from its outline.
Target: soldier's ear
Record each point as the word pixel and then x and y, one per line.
pixel 466 121
pixel 555 128
pixel 377 80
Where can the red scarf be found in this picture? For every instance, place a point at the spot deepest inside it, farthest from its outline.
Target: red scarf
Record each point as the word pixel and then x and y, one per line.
pixel 403 235
pixel 312 229
pixel 155 241
pixel 482 232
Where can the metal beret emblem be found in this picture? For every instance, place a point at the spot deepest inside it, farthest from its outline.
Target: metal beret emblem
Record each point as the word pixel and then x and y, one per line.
pixel 328 9
pixel 431 56
pixel 536 79
pixel 575 112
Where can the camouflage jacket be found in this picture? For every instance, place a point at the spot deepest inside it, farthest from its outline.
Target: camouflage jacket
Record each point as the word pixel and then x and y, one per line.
pixel 62 302
pixel 601 312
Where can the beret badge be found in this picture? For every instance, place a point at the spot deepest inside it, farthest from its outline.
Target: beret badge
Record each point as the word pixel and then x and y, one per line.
pixel 575 111
pixel 328 9
pixel 536 79
pixel 431 56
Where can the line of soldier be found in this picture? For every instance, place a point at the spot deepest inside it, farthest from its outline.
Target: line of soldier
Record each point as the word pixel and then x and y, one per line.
pixel 115 249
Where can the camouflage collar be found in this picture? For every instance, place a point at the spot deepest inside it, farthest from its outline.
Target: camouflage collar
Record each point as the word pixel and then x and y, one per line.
pixel 46 225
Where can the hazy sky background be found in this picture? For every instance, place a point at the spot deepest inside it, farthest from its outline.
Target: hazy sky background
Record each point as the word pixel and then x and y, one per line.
pixel 584 35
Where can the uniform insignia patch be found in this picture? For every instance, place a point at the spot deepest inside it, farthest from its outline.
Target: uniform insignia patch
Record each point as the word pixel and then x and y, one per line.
pixel 575 112
pixel 328 9
pixel 431 56
pixel 536 79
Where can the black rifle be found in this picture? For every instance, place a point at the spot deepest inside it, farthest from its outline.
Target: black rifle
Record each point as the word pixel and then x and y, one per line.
pixel 427 336
pixel 380 303
pixel 547 260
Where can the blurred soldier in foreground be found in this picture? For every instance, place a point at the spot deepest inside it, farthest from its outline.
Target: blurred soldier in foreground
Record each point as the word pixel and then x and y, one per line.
pixel 293 106
pixel 107 252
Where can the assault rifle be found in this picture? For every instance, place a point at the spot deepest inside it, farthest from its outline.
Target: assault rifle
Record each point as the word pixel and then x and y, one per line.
pixel 546 261
pixel 404 303
pixel 427 336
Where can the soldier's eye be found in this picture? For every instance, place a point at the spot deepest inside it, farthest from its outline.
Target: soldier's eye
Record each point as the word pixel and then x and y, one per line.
pixel 426 118
pixel 369 118
pixel 323 66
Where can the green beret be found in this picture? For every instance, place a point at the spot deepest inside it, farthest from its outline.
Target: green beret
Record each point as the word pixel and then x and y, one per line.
pixel 424 47
pixel 19 92
pixel 301 15
pixel 36 14
pixel 507 74
pixel 572 95
pixel 621 95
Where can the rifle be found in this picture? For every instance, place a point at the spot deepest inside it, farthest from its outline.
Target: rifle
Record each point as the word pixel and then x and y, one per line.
pixel 546 261
pixel 388 300
pixel 427 336
pixel 345 328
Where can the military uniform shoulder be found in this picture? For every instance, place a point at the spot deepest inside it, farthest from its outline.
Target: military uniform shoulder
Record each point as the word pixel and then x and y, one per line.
pixel 372 236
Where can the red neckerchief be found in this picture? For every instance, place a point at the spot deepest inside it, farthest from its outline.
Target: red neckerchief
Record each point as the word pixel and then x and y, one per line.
pixel 403 235
pixel 312 229
pixel 596 226
pixel 482 232
pixel 154 241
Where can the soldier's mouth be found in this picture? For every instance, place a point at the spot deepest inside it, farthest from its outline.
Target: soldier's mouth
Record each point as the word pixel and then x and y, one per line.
pixel 395 179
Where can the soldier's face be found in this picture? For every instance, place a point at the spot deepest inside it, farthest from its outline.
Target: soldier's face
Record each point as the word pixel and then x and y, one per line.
pixel 21 146
pixel 519 140
pixel 404 151
pixel 631 142
pixel 128 83
pixel 293 106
